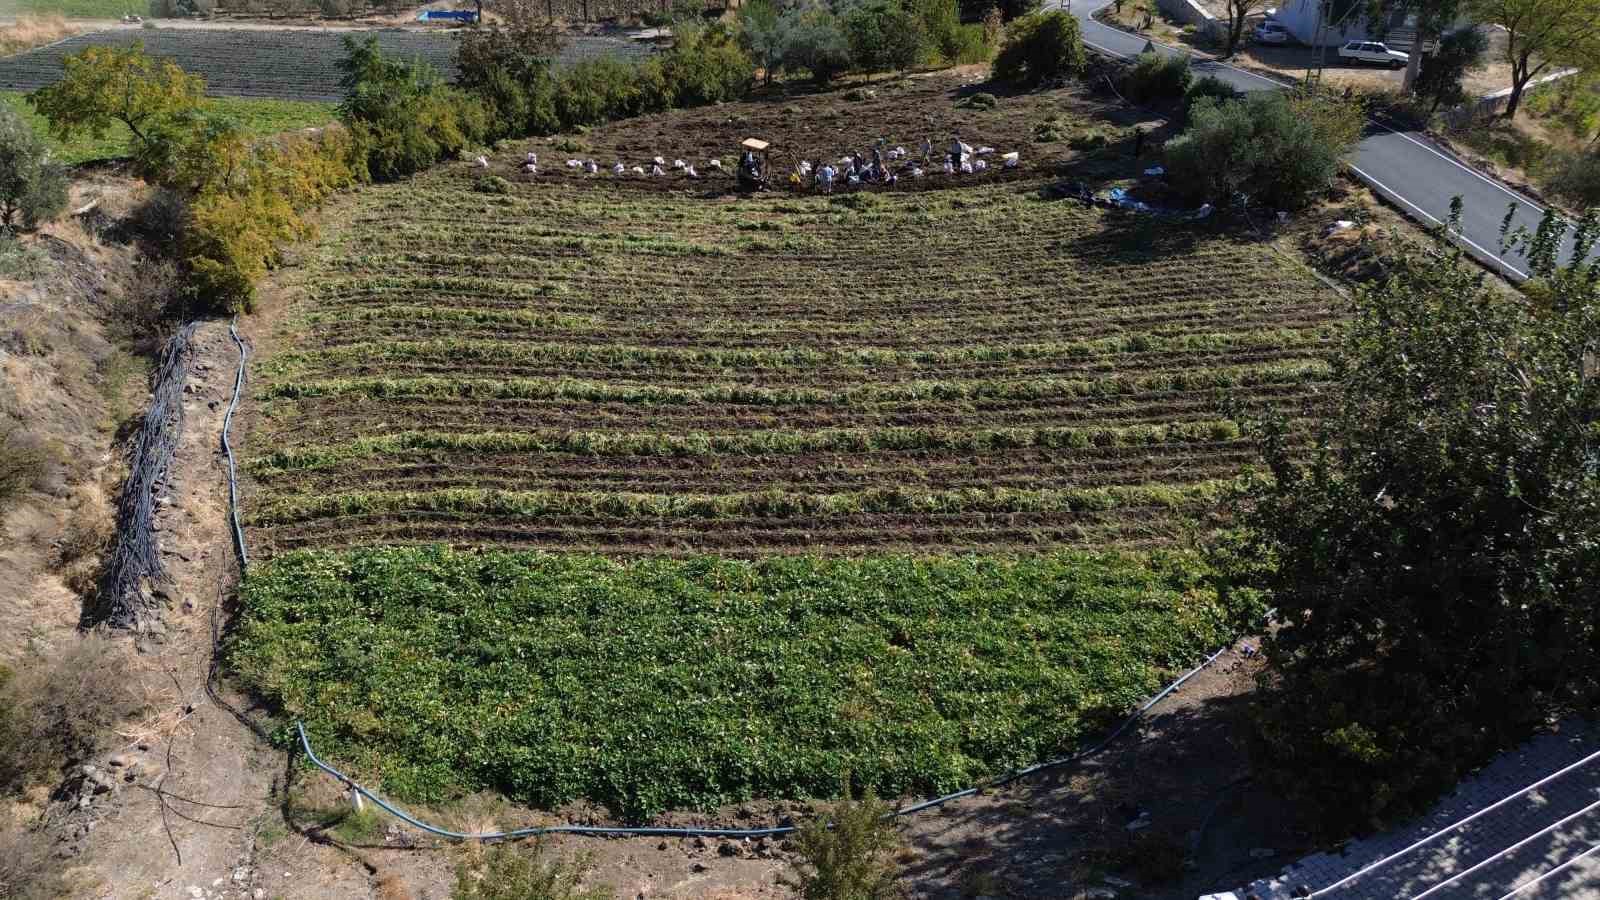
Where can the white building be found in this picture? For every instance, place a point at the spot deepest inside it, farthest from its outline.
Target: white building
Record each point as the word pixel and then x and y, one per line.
pixel 1303 19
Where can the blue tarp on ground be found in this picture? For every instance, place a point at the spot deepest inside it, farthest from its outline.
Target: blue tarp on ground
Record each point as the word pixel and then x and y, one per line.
pixel 447 15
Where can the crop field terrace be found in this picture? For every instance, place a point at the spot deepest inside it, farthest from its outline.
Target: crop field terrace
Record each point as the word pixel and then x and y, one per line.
pixel 282 64
pixel 588 368
pixel 611 490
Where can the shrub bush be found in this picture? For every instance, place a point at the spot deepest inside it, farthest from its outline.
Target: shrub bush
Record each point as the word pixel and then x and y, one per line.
pixel 192 151
pixel 980 100
pixel 509 872
pixel 599 90
pixel 403 113
pixel 33 188
pixel 1574 176
pixel 23 463
pixel 884 36
pixel 56 714
pixel 816 42
pixel 491 184
pixel 1041 48
pixel 1209 86
pixel 234 228
pixel 509 70
pixel 1274 148
pixel 1154 76
pixel 705 65
pixel 967 45
pixel 848 854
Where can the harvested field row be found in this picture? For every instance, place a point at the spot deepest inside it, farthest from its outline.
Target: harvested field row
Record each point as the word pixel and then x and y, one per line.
pixel 799 476
pixel 1017 319
pixel 403 322
pixel 345 418
pixel 1128 348
pixel 911 391
pixel 739 444
pixel 769 504
pixel 537 355
pixel 1133 528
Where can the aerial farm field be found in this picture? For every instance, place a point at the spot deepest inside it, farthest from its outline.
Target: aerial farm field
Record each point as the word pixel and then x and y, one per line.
pixel 747 494
pixel 285 64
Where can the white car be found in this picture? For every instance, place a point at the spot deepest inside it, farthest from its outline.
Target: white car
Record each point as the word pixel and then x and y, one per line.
pixel 1270 32
pixel 1374 52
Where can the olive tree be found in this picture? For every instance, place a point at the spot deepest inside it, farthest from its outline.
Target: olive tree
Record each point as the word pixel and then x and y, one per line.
pixel 1434 553
pixel 33 187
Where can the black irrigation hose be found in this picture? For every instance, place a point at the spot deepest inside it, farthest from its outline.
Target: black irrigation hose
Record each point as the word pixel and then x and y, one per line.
pixel 135 555
pixel 604 831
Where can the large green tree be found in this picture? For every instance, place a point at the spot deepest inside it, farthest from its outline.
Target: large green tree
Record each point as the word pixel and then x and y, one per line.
pixel 1540 35
pixel 1434 553
pixel 103 85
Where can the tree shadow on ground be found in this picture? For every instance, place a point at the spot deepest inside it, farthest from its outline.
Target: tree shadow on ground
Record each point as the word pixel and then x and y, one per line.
pixel 1170 807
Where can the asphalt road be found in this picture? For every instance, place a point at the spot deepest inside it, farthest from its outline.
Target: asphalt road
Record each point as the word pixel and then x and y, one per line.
pixel 1524 827
pixel 1404 167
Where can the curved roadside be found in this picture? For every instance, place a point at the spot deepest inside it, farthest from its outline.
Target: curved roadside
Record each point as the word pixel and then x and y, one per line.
pixel 1402 166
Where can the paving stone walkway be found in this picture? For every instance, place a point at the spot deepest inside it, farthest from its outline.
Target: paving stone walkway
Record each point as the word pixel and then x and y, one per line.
pixel 1491 857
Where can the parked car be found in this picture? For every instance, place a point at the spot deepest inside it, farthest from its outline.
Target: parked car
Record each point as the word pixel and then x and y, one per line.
pixel 1374 52
pixel 1270 32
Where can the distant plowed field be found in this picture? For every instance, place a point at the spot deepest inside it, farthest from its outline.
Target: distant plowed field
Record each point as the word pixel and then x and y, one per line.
pixel 600 367
pixel 287 64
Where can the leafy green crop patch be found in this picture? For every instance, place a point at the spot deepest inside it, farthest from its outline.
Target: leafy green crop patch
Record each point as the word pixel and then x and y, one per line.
pixel 662 684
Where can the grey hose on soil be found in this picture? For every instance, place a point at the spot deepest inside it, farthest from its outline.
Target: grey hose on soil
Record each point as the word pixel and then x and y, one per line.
pixel 227 448
pixel 135 556
pixel 603 831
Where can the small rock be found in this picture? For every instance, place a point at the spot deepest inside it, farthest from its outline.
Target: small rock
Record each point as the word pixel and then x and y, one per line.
pixel 727 848
pixel 118 761
pixel 241 875
pixel 196 891
pixel 662 845
pixel 1116 882
pixel 259 894
pixel 1139 824
pixel 217 883
pixel 1262 853
pixel 699 843
pixel 698 867
pixel 1099 893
